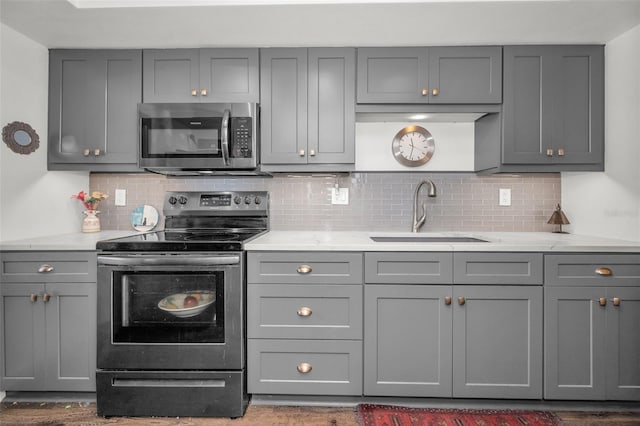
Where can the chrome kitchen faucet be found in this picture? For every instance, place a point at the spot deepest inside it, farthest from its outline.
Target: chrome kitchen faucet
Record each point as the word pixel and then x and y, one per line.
pixel 418 222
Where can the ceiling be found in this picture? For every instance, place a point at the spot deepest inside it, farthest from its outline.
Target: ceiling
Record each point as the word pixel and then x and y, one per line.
pixel 60 24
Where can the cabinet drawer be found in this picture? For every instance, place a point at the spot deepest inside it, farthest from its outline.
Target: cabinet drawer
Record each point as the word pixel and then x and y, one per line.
pixel 592 269
pixel 408 268
pixel 304 267
pixel 498 268
pixel 288 311
pixel 278 367
pixel 48 267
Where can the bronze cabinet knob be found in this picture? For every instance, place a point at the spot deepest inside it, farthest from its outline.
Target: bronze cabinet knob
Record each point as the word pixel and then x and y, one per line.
pixel 447 300
pixel 461 301
pixel 602 301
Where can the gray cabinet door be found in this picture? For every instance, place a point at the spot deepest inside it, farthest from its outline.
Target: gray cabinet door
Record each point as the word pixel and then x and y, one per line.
pixel 574 343
pixel 22 337
pixel 393 75
pixel 229 75
pixel 171 75
pixel 497 342
pixel 465 75
pixel 407 341
pixel 71 337
pixel 553 109
pixel 93 97
pixel 283 94
pixel 622 341
pixel 331 129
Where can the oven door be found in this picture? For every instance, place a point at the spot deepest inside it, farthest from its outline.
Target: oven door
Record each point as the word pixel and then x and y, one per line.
pixel 171 311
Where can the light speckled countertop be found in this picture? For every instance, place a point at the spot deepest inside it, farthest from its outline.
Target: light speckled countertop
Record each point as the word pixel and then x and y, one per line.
pixel 361 241
pixel 71 242
pixel 496 241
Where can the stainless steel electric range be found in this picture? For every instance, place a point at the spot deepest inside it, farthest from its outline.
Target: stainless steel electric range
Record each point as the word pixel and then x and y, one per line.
pixel 171 309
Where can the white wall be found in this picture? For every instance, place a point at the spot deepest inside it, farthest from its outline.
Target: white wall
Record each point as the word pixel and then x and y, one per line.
pixel 608 203
pixel 33 201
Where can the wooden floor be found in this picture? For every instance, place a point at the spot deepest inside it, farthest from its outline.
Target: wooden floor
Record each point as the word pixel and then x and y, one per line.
pixel 84 413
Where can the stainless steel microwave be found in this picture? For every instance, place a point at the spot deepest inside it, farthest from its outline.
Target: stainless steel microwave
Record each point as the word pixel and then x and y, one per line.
pixel 198 139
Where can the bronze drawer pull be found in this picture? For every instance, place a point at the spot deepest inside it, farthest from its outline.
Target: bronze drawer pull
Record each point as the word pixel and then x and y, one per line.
pixel 616 301
pixel 602 301
pixel 604 271
pixel 33 297
pixel 304 368
pixel 425 92
pixel 304 269
pixel 304 311
pixel 447 300
pixel 45 268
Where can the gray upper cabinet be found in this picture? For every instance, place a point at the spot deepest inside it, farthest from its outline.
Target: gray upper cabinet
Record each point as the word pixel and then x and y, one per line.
pixel 435 75
pixel 553 110
pixel 48 332
pixel 307 109
pixel 93 97
pixel 201 75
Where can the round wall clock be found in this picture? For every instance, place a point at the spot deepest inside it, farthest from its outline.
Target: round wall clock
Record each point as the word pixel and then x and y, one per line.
pixel 413 146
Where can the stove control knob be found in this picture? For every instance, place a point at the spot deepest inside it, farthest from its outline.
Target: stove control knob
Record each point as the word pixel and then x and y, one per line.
pixel 237 199
pixel 247 200
pixel 257 200
pixel 172 200
pixel 182 200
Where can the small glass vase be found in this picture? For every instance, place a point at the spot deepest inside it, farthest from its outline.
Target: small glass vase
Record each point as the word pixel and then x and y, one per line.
pixel 91 222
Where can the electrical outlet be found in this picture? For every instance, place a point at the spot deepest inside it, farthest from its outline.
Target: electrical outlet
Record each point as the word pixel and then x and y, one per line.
pixel 339 195
pixel 505 197
pixel 120 197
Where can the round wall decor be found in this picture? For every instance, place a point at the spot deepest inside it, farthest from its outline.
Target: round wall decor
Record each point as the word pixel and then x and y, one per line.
pixel 20 137
pixel 413 146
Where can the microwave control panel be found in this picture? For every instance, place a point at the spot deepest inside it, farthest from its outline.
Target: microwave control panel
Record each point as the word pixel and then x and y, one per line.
pixel 241 137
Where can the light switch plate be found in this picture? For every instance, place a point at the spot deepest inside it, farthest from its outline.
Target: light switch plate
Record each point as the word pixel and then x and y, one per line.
pixel 340 196
pixel 120 197
pixel 505 197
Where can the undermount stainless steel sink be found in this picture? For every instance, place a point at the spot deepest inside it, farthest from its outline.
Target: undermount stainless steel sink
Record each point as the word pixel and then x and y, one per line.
pixel 425 239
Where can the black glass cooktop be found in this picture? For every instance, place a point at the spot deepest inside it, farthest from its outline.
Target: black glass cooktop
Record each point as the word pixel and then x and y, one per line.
pixel 192 240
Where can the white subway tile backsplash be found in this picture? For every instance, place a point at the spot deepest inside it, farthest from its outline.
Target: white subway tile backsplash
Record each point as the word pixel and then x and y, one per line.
pixel 377 201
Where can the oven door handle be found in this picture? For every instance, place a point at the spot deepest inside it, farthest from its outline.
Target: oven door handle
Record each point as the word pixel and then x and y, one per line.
pixel 161 260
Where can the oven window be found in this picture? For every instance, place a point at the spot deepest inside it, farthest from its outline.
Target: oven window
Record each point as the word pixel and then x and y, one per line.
pixel 168 307
pixel 181 137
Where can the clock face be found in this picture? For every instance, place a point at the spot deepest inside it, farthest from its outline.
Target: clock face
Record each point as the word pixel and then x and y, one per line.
pixel 413 146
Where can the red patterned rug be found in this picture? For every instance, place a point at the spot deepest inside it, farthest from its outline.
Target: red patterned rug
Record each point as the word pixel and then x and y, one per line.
pixel 389 415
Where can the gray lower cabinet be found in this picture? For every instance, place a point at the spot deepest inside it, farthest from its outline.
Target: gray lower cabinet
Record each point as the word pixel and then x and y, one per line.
pixel 429 338
pixel 434 75
pixel 48 333
pixel 307 109
pixel 304 323
pixel 408 340
pixel 552 115
pixel 93 97
pixel 592 313
pixel 201 75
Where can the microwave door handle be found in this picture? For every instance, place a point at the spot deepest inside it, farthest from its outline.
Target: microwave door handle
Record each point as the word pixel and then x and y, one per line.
pixel 225 137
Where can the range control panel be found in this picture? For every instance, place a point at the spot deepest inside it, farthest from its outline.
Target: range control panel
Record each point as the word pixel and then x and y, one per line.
pixel 203 203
